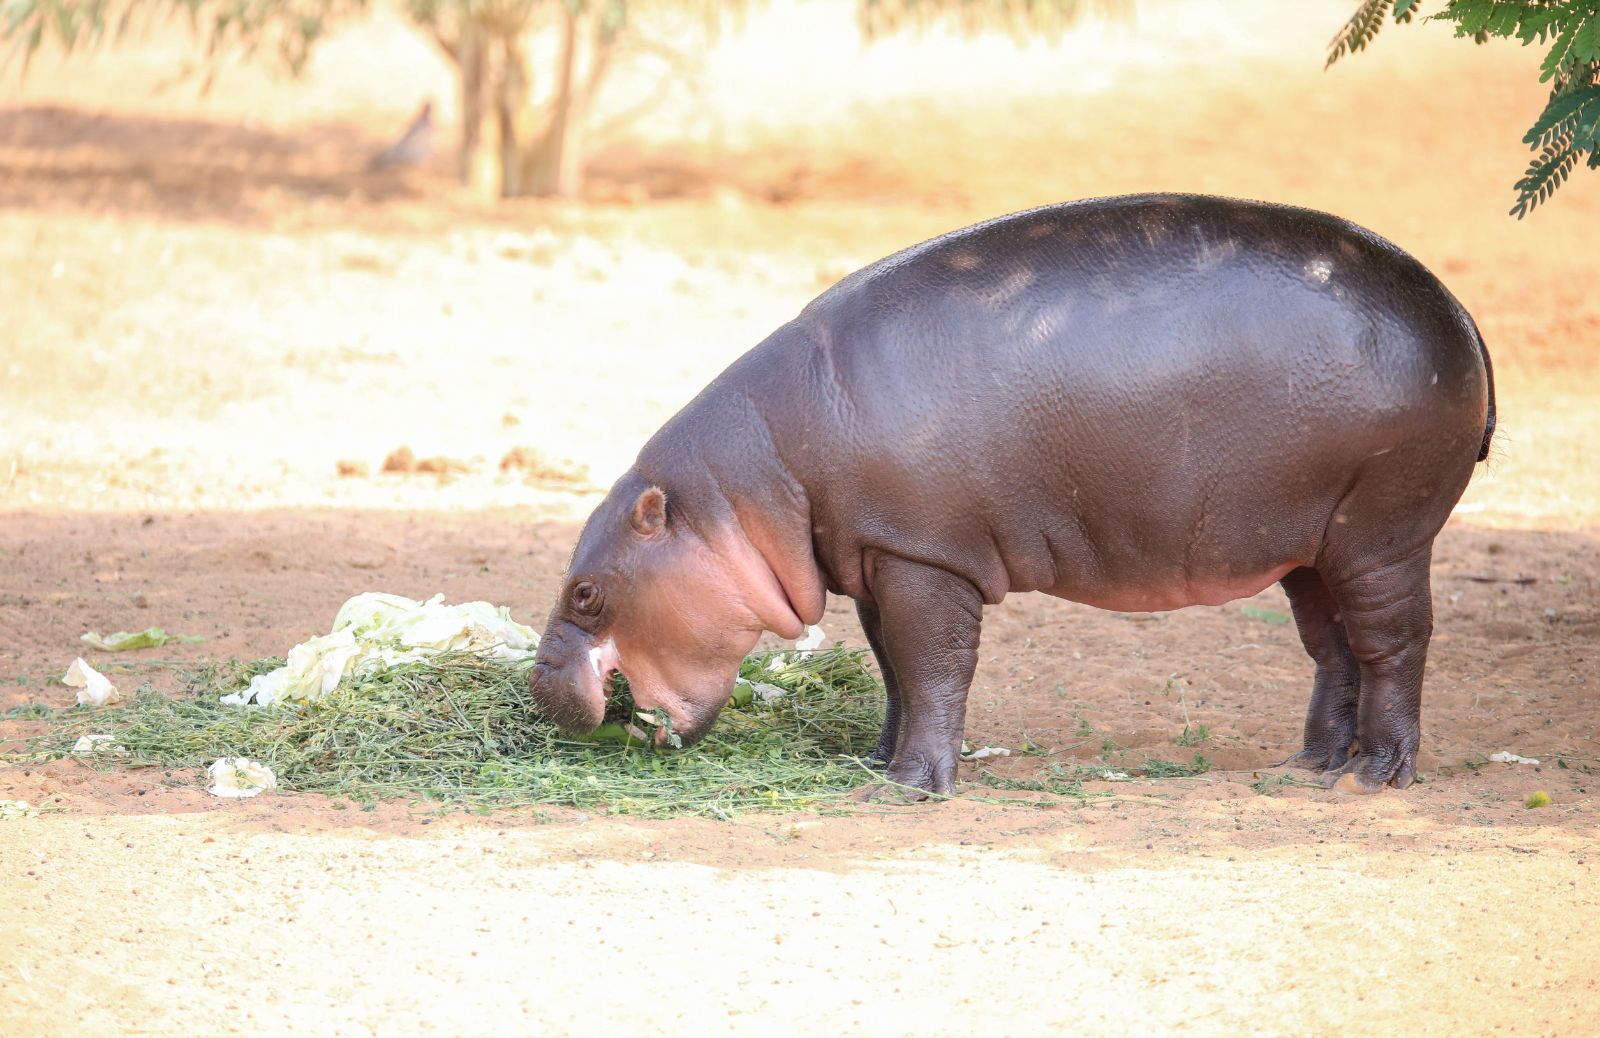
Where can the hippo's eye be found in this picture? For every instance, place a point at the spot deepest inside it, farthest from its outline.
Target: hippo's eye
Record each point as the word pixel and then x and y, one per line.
pixel 586 598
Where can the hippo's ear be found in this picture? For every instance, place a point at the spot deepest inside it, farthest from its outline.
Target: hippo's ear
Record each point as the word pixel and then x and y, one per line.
pixel 650 512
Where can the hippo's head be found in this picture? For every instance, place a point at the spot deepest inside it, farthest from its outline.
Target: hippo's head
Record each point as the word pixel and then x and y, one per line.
pixel 671 600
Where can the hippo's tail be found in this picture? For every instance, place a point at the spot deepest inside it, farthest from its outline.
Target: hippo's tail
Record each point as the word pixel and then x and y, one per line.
pixel 1488 370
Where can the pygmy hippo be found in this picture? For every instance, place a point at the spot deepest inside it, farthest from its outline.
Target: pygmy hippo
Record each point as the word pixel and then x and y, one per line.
pixel 1139 403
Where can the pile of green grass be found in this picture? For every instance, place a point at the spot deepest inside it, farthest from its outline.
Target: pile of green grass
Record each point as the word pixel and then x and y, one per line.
pixel 459 730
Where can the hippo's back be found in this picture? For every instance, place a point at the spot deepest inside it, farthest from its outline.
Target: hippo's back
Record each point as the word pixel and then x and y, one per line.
pixel 1176 288
pixel 1122 386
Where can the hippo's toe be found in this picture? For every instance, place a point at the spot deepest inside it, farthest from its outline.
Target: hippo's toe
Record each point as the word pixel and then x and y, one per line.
pixel 1319 757
pixel 910 778
pixel 1372 769
pixel 888 793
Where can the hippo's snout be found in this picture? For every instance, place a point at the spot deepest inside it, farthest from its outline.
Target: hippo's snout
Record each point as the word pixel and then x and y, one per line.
pixel 569 694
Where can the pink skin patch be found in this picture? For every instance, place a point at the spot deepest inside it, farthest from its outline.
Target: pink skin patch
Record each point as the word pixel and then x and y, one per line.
pixel 703 609
pixel 1155 600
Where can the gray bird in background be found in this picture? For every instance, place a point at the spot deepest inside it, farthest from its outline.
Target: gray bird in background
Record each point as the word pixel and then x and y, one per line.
pixel 413 147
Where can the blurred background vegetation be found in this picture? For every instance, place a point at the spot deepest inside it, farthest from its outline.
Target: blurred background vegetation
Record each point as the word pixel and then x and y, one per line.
pixel 524 123
pixel 526 111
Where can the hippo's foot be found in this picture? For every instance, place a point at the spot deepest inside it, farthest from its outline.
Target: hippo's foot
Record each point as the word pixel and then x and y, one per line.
pixel 887 793
pixel 883 756
pixel 1387 764
pixel 1320 755
pixel 909 780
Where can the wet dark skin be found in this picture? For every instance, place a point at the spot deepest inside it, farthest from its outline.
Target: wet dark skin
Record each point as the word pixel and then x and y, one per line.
pixel 1138 403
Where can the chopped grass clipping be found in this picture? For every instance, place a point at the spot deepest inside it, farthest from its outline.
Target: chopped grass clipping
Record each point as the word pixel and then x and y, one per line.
pixel 458 729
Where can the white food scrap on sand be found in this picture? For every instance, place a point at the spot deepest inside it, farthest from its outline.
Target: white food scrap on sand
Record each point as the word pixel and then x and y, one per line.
pixel 94 688
pixel 92 745
pixel 1502 757
pixel 377 630
pixel 10 809
pixel 240 777
pixel 983 752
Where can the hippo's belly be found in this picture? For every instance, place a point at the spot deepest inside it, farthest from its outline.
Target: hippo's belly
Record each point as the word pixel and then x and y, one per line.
pixel 1176 595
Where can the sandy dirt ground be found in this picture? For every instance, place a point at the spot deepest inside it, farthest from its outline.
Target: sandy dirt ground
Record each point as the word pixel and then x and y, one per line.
pixel 208 312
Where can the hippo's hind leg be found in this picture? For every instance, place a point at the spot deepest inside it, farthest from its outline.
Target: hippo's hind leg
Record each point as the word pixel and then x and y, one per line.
pixel 1388 618
pixel 1330 732
pixel 929 621
pixel 871 626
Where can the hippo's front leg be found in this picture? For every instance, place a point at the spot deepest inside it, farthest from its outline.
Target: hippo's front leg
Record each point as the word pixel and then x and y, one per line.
pixel 928 622
pixel 872 627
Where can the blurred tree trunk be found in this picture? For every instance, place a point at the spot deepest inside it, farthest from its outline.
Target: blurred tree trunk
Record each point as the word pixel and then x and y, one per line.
pixel 475 163
pixel 469 44
pixel 515 142
pixel 551 161
pixel 513 115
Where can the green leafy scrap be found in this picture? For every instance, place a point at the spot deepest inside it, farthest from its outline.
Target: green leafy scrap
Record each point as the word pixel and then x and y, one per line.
pixel 149 638
pixel 1270 616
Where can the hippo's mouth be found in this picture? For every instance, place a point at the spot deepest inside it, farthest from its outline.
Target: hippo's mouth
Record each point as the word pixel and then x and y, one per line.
pixel 606 664
pixel 607 667
pixel 648 719
pixel 608 680
pixel 686 719
pixel 613 682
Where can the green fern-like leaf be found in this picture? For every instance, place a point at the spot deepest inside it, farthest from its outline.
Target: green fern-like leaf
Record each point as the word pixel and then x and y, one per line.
pixel 1564 52
pixel 1530 21
pixel 1586 42
pixel 1360 29
pixel 1563 114
pixel 1544 176
pixel 1538 25
pixel 1471 16
pixel 1504 21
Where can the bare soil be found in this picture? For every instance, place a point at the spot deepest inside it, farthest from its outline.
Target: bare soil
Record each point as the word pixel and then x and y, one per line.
pixel 215 328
